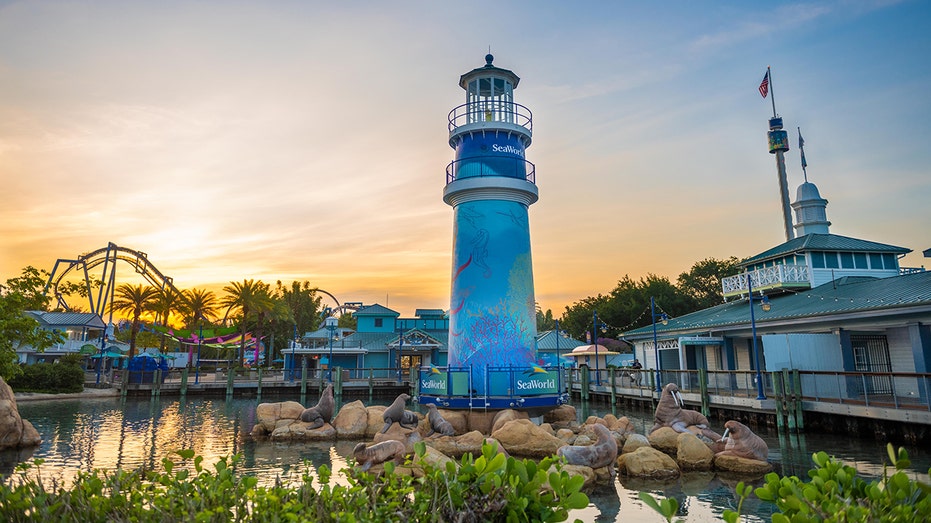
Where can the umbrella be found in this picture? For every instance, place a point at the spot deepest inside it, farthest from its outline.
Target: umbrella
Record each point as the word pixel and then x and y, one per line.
pixel 88 348
pixel 108 354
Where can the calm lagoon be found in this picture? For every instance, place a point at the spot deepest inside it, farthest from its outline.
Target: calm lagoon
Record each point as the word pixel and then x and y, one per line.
pixel 87 434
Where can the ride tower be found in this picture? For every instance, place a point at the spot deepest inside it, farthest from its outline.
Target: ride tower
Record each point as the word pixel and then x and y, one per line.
pixel 492 317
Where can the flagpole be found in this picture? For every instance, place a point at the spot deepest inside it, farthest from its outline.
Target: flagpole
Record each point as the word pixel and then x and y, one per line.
pixel 772 92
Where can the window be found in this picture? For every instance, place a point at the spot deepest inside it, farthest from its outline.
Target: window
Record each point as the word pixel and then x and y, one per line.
pixel 817 259
pixel 378 322
pixel 846 260
pixel 876 261
pixel 889 261
pixel 859 260
pixel 830 260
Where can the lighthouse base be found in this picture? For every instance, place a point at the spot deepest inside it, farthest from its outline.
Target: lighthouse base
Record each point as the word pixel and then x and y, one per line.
pixel 540 388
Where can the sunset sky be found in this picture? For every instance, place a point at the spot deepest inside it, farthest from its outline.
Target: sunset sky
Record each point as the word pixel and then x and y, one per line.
pixel 305 140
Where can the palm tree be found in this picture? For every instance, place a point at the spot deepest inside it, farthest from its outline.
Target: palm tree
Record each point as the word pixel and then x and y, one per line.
pixel 167 301
pixel 247 297
pixel 135 301
pixel 199 306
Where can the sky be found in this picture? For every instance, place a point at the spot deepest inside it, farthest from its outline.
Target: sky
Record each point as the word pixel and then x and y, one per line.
pixel 305 140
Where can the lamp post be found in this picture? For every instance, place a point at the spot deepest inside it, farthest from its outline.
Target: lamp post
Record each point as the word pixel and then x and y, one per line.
pixel 200 340
pixel 293 350
pixel 765 306
pixel 400 350
pixel 665 319
pixel 330 323
pixel 595 342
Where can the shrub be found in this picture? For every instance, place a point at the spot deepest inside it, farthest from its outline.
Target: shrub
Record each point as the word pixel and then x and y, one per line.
pixel 49 377
pixel 488 488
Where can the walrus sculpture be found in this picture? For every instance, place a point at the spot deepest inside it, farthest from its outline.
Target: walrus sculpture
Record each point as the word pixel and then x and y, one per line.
pixel 740 441
pixel 599 454
pixel 438 424
pixel 391 450
pixel 669 413
pixel 396 413
pixel 322 412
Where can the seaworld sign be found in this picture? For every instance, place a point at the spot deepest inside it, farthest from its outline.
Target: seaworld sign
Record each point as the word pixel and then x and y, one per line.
pixel 538 383
pixel 435 384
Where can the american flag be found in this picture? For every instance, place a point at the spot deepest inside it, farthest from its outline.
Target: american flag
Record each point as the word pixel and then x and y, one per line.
pixel 764 85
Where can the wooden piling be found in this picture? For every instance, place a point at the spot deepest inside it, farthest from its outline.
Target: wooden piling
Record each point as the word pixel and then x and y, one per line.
pixel 799 412
pixel 184 373
pixel 790 400
pixel 777 401
pixel 304 381
pixel 703 390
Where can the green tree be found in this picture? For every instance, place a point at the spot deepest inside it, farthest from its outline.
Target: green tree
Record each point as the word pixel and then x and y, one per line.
pixel 545 320
pixel 134 300
pixel 702 283
pixel 303 302
pixel 168 301
pixel 245 299
pixel 19 295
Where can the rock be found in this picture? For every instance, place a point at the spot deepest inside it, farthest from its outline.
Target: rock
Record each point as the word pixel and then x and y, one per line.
pixel 634 442
pixel 566 435
pixel 561 416
pixel 352 421
pixel 15 432
pixel 595 419
pixel 622 426
pixel 739 465
pixel 457 419
pixel 268 414
pixel 432 457
pixel 549 428
pixel 523 438
pixel 457 446
pixel 692 453
pixel 375 420
pixel 665 439
pixel 647 462
pixel 583 439
pixel 505 416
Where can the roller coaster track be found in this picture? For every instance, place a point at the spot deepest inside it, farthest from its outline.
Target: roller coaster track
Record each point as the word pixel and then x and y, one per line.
pixel 107 258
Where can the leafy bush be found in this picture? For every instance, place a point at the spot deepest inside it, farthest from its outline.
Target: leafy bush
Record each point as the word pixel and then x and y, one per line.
pixel 488 488
pixel 834 494
pixel 49 377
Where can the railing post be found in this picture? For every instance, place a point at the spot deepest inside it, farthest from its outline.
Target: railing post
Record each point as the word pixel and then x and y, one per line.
pixel 703 390
pixel 230 378
pixel 371 384
pixel 258 392
pixel 611 373
pixel 338 384
pixel 799 411
pixel 303 380
pixel 584 380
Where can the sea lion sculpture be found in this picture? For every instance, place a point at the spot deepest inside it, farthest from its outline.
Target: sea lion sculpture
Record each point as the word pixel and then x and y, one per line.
pixel 322 412
pixel 599 454
pixel 438 424
pixel 740 441
pixel 391 450
pixel 669 413
pixel 396 413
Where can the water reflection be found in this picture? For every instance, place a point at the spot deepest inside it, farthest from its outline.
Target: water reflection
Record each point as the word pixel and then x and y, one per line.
pixel 81 435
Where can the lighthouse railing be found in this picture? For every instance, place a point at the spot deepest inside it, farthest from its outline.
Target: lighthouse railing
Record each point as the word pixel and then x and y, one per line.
pixel 485 166
pixel 485 111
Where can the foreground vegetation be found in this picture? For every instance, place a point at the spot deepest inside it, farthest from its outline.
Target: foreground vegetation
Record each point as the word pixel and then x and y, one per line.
pixel 834 493
pixel 490 487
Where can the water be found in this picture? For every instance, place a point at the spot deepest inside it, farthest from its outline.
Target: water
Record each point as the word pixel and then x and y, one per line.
pixel 81 435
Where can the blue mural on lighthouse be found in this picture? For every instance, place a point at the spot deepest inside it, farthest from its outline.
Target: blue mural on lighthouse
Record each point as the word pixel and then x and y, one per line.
pixel 490 186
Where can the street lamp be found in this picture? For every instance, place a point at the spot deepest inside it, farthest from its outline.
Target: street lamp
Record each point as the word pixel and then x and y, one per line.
pixel 765 306
pixel 595 342
pixel 330 323
pixel 665 319
pixel 400 349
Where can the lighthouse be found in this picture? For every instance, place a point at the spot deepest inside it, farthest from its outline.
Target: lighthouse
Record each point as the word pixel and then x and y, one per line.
pixel 490 186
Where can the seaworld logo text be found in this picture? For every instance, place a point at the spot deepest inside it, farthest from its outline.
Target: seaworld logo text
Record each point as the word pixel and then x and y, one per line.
pixel 510 149
pixel 536 384
pixel 432 384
